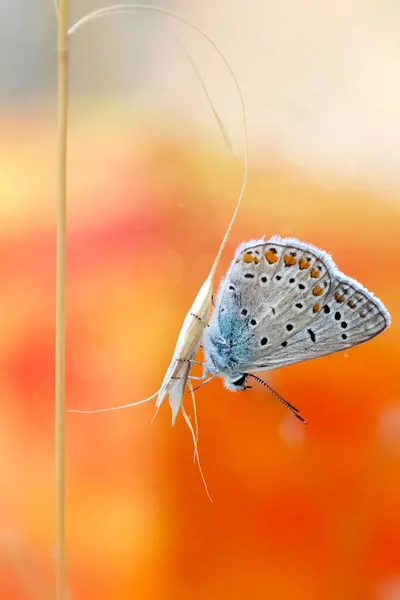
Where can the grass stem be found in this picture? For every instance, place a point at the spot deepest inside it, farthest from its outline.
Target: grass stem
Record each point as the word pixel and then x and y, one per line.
pixel 62 47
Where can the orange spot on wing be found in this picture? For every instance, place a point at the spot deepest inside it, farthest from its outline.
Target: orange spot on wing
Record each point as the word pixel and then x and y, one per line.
pixel 339 297
pixel 314 273
pixel 237 260
pixel 289 260
pixel 303 264
pixel 256 260
pixel 318 291
pixel 316 308
pixel 352 304
pixel 248 258
pixel 271 257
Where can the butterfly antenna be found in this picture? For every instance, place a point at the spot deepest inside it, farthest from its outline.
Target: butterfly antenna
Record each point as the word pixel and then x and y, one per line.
pixel 290 407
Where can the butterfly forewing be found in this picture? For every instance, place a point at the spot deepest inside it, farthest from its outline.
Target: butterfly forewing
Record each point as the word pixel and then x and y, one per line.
pixel 275 288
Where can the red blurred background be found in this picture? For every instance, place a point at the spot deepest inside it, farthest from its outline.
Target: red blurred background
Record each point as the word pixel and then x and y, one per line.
pixel 299 513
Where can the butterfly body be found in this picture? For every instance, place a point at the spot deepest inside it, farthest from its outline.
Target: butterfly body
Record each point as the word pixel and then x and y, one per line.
pixel 284 301
pixel 223 349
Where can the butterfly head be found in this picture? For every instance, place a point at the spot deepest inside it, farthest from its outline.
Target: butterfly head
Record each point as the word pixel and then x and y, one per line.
pixel 236 383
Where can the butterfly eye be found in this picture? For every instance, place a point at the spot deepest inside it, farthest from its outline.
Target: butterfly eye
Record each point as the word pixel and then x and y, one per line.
pixel 239 382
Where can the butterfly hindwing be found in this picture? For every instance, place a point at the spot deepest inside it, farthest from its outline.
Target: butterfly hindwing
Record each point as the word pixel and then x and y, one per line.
pixel 350 316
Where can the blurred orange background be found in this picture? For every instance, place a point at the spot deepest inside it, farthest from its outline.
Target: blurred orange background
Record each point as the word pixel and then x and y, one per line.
pixel 299 512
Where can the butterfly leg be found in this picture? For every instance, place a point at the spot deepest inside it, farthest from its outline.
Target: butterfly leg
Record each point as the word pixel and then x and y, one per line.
pixel 194 362
pixel 203 380
pixel 190 377
pixel 200 319
pixel 204 383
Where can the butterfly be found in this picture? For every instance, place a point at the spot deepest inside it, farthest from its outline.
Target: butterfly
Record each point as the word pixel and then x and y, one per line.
pixel 283 301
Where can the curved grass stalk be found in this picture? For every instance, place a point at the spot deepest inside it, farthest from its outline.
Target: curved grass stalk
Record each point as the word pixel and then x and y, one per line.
pixel 188 342
pixel 223 129
pixel 128 8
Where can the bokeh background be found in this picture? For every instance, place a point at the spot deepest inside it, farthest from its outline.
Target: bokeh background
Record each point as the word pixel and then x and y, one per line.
pixel 299 513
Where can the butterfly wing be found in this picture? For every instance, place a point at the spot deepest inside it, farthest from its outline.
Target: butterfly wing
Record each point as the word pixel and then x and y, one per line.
pixel 349 316
pixel 273 305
